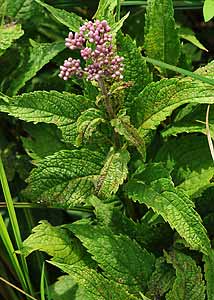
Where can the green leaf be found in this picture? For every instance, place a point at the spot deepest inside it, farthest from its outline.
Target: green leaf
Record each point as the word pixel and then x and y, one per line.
pixel 158 100
pixel 188 284
pixel 61 109
pixel 161 37
pixel 135 71
pixel 161 280
pixel 40 55
pixel 22 9
pixel 87 124
pixel 155 188
pixel 105 11
pixel 64 179
pixel 123 126
pixel 208 10
pixel 66 289
pixel 8 34
pixel 209 274
pixel 113 173
pixel 96 286
pixel 55 241
pixel 192 163
pixel 122 259
pixel 69 19
pixel 188 35
pixel 34 144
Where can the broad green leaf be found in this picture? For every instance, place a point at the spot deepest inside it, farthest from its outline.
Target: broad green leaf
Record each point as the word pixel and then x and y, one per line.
pixel 194 121
pixel 106 11
pixel 65 178
pixel 209 274
pixel 34 144
pixel 22 9
pixel 87 124
pixel 189 284
pixel 136 71
pixel 66 289
pixel 190 157
pixel 123 126
pixel 188 35
pixel 40 55
pixel 61 109
pixel 161 280
pixel 113 173
pixel 8 34
pixel 155 188
pixel 159 99
pixel 55 241
pixel 122 259
pixel 161 37
pixel 95 285
pixel 69 19
pixel 208 10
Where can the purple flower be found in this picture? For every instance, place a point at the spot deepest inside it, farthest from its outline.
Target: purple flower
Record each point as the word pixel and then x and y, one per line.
pixel 101 59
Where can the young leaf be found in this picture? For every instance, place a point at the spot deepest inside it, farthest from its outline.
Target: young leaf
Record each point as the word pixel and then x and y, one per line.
pixel 161 280
pixel 192 163
pixel 40 55
pixel 61 109
pixel 87 124
pixel 69 19
pixel 155 188
pixel 209 274
pixel 8 34
pixel 208 10
pixel 64 179
pixel 161 37
pixel 55 241
pixel 96 286
pixel 122 259
pixel 113 173
pixel 159 99
pixel 123 126
pixel 106 10
pixel 188 35
pixel 188 284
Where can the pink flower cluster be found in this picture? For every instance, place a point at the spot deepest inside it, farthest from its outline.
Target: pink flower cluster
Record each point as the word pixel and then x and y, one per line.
pixel 101 60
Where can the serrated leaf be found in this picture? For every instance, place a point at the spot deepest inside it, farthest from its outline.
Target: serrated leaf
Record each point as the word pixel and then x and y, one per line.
pixel 8 34
pixel 159 99
pixel 161 280
pixel 188 35
pixel 208 10
pixel 209 274
pixel 40 55
pixel 188 284
pixel 34 144
pixel 155 188
pixel 69 19
pixel 135 70
pixel 113 173
pixel 192 163
pixel 22 9
pixel 122 259
pixel 96 286
pixel 161 37
pixel 61 109
pixel 123 126
pixel 64 179
pixel 87 124
pixel 55 241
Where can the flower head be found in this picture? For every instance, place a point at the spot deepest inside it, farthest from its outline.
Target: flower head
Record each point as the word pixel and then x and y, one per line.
pixel 101 60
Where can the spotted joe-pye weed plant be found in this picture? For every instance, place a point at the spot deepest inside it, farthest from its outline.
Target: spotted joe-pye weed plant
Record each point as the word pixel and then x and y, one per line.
pixel 126 152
